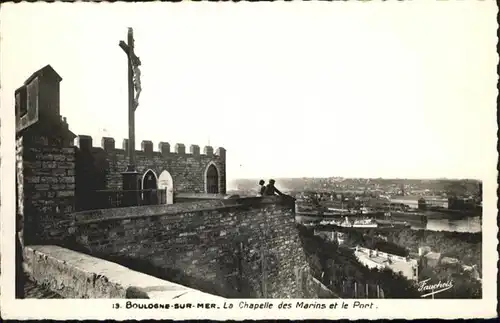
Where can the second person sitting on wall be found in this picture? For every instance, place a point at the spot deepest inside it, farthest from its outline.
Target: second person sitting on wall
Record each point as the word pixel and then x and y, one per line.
pixel 262 188
pixel 271 190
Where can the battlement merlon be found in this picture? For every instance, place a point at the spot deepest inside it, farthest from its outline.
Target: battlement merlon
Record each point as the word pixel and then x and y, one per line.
pixel 194 150
pixel 147 146
pixel 221 152
pixel 164 148
pixel 208 150
pixel 180 149
pixel 85 142
pixel 108 143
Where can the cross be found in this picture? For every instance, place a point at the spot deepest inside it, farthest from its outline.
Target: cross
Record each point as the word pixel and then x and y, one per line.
pixel 130 175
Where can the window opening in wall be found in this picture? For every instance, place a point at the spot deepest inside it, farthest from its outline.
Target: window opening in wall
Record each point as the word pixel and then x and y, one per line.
pixel 31 100
pixel 212 180
pixel 21 106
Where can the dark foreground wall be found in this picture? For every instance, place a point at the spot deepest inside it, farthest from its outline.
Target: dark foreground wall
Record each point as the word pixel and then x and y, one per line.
pixel 234 248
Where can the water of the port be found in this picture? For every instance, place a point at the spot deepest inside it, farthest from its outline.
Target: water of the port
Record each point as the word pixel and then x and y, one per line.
pixel 469 224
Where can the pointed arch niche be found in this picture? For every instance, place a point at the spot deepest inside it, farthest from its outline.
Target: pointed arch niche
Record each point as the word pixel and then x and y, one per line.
pixel 165 182
pixel 149 182
pixel 211 178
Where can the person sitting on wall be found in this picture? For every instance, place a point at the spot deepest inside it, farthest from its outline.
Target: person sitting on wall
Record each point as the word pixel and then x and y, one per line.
pixel 262 188
pixel 271 190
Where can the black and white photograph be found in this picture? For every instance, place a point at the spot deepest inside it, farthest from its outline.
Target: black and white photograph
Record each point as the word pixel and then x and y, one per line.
pixel 292 160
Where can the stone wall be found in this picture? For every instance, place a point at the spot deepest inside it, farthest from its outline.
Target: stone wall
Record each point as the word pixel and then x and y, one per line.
pixel 187 169
pixel 75 275
pixel 216 246
pixel 45 184
pixel 191 197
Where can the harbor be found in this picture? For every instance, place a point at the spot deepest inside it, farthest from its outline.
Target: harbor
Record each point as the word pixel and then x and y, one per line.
pixel 362 219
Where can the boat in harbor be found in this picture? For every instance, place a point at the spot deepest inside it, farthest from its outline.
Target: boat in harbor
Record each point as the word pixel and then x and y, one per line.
pixel 393 223
pixel 307 213
pixel 346 223
pixel 406 215
pixel 365 224
pixel 330 222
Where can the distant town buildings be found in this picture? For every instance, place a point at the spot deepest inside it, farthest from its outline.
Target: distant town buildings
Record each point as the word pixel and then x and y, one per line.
pixel 436 201
pixel 412 202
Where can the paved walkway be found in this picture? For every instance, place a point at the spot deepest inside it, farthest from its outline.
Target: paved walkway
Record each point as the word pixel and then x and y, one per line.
pixel 31 290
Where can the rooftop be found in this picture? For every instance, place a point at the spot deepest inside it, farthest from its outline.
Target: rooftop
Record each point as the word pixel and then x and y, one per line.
pixel 433 255
pixel 406 197
pixel 396 263
pixel 46 70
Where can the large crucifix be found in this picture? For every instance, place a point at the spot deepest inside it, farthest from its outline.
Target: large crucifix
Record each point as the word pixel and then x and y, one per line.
pixel 130 179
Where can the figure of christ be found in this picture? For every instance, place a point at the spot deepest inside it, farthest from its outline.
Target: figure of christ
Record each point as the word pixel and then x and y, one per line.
pixel 137 80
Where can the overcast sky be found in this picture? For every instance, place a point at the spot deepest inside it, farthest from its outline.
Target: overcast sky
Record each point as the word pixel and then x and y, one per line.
pixel 289 89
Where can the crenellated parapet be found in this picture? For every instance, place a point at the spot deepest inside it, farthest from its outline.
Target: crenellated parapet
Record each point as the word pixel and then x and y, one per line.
pixel 190 171
pixel 84 142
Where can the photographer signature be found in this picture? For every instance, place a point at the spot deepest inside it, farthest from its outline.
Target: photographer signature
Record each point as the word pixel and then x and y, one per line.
pixel 439 287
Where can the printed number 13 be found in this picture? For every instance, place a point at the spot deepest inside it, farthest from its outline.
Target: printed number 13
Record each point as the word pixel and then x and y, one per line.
pixel 116 305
